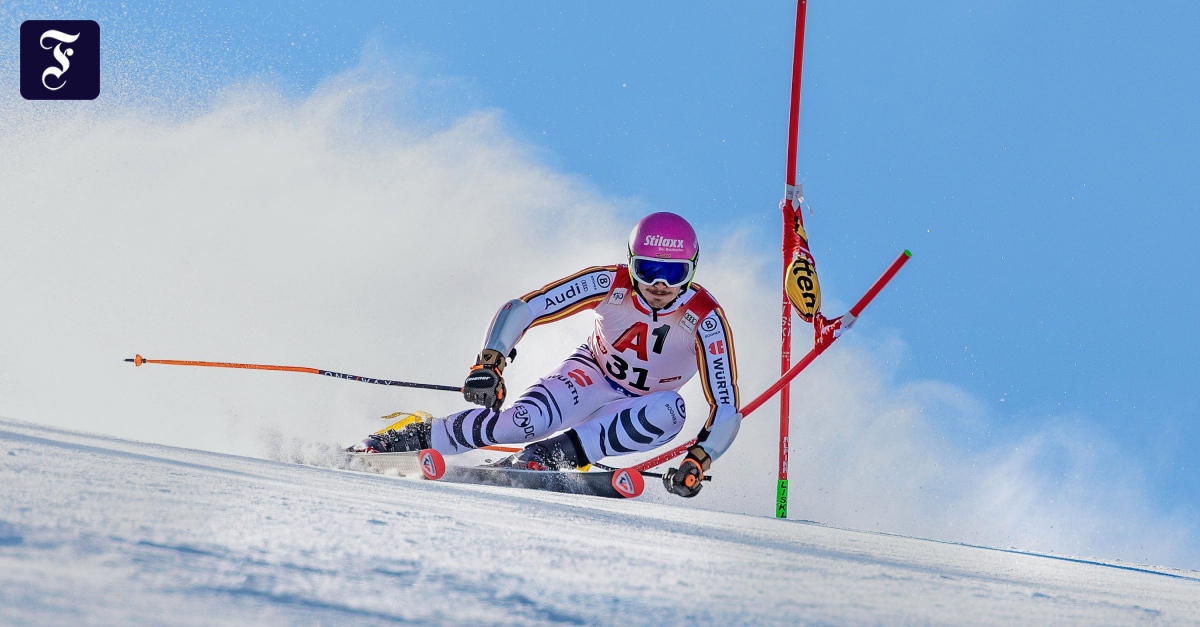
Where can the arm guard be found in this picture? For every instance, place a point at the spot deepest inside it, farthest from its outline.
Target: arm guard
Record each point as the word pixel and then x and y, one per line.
pixel 718 437
pixel 508 326
pixel 557 300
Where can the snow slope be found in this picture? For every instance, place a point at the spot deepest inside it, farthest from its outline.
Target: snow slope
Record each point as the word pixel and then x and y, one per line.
pixel 105 531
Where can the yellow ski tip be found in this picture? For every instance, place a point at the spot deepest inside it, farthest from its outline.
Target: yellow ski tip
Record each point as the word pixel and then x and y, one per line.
pixel 406 418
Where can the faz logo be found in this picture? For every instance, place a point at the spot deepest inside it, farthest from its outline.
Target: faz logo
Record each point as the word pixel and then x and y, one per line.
pixel 60 60
pixel 618 296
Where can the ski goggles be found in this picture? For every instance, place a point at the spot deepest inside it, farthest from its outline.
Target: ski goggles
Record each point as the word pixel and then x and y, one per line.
pixel 672 272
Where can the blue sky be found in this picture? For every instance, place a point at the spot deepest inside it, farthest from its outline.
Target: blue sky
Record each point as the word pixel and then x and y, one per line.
pixel 1039 159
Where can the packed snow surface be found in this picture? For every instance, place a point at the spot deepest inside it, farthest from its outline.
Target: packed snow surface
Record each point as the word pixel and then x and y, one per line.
pixel 103 531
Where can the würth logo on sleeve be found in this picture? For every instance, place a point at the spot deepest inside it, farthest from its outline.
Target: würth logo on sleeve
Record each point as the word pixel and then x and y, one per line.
pixel 580 377
pixel 60 60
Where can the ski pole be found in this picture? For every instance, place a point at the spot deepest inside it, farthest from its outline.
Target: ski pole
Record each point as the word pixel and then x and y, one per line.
pixel 845 322
pixel 138 360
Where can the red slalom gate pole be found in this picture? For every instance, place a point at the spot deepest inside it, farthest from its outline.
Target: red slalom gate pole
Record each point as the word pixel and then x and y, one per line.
pixel 845 322
pixel 791 215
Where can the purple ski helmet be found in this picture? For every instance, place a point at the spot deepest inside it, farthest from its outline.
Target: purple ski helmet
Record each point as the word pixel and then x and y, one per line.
pixel 663 248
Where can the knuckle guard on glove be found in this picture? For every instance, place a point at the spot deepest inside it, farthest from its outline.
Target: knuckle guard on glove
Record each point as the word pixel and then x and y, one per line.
pixel 485 384
pixel 687 480
pixel 684 481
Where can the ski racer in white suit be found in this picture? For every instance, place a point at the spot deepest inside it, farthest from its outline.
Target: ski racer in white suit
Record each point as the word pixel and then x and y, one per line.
pixel 617 393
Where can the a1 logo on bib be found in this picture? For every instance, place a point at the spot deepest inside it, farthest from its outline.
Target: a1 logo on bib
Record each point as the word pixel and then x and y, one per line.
pixel 60 60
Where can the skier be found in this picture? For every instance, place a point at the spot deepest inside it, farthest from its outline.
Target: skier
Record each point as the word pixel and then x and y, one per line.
pixel 617 393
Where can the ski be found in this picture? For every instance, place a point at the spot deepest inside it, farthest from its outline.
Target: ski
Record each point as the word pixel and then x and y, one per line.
pixel 622 483
pixel 396 464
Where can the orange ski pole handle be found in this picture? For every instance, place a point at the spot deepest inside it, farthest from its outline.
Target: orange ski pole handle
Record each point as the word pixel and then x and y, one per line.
pixel 823 342
pixel 138 360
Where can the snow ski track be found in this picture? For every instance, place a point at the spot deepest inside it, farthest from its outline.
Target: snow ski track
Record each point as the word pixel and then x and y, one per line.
pixel 155 534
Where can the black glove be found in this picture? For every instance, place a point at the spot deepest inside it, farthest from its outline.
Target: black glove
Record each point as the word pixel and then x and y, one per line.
pixel 687 480
pixel 485 384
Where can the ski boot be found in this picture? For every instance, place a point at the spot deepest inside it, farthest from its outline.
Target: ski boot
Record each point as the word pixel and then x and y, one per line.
pixel 561 452
pixel 410 434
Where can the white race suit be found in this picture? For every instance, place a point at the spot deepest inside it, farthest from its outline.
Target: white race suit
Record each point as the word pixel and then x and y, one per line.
pixel 619 391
